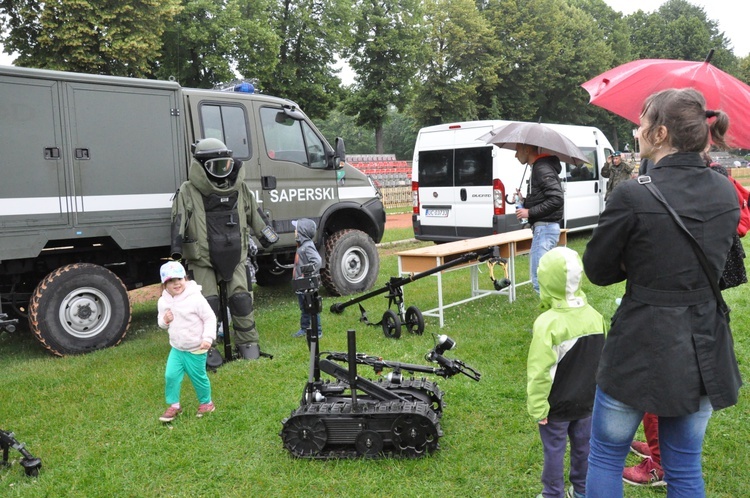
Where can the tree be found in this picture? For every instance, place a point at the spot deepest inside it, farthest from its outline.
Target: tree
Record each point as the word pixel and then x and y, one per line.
pixel 460 62
pixel 548 49
pixel 89 36
pixel 311 33
pixel 679 30
pixel 210 37
pixel 387 46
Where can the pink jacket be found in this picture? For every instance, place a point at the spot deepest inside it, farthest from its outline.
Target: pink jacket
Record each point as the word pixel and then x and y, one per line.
pixel 194 320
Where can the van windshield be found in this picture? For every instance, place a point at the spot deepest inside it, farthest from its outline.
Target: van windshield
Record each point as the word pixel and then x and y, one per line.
pixel 455 167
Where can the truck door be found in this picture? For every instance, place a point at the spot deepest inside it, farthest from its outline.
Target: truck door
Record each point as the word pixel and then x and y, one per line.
pixel 295 177
pixel 33 185
pixel 125 152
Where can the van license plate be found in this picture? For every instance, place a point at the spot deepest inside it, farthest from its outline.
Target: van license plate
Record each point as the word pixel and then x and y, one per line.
pixel 438 213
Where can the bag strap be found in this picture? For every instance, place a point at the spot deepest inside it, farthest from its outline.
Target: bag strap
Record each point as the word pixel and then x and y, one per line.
pixel 646 182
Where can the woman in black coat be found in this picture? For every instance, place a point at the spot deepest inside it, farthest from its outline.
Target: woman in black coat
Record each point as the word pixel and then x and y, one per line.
pixel 669 350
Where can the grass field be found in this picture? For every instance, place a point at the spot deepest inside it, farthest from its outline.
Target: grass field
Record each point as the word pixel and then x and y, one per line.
pixel 93 419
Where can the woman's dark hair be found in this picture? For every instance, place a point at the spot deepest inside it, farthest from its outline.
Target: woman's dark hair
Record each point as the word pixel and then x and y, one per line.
pixel 683 112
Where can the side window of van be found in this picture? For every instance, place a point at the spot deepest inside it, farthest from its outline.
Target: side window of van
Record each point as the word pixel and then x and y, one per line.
pixel 436 168
pixel 587 171
pixel 228 123
pixel 289 139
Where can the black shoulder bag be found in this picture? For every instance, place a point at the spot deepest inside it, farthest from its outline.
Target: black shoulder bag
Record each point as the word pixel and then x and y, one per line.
pixel 646 182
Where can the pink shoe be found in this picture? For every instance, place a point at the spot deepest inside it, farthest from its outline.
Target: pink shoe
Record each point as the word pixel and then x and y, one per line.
pixel 646 473
pixel 205 408
pixel 641 449
pixel 170 414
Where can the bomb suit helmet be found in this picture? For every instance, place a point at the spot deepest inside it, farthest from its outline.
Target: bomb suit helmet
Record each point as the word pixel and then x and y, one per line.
pixel 215 157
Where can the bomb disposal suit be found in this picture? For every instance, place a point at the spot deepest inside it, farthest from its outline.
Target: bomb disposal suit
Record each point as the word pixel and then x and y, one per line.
pixel 211 216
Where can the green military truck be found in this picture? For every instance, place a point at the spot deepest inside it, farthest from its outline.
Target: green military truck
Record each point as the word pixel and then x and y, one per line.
pixel 90 165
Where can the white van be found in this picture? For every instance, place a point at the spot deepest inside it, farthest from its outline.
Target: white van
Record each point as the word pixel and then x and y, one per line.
pixel 461 186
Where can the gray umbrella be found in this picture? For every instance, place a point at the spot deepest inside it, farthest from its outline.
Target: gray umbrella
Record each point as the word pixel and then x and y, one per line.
pixel 549 140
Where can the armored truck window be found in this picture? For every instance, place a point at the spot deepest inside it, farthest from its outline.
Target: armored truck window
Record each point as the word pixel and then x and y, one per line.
pixel 290 139
pixel 436 168
pixel 228 124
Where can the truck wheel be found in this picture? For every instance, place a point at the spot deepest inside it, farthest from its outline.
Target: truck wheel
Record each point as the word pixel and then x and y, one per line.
pixel 79 308
pixel 352 263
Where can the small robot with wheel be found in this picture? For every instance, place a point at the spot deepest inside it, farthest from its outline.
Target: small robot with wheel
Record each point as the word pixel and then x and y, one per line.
pixel 411 317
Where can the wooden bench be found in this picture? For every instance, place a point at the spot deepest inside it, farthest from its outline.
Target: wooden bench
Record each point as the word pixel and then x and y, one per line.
pixel 510 244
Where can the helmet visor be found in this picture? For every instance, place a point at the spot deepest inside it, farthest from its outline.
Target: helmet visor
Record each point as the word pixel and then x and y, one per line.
pixel 219 167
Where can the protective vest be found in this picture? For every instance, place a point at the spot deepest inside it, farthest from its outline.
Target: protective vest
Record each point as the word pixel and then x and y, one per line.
pixel 211 223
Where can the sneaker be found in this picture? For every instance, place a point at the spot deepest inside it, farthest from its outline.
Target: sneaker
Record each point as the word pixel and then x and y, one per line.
pixel 205 408
pixel 646 473
pixel 170 414
pixel 299 333
pixel 641 449
pixel 572 493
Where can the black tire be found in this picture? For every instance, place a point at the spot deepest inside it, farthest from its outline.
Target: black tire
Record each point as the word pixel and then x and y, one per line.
pixel 79 308
pixel 272 276
pixel 352 263
pixel 391 324
pixel 414 320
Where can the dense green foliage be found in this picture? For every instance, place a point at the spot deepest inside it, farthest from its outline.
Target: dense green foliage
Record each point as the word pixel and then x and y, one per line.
pixel 93 419
pixel 418 62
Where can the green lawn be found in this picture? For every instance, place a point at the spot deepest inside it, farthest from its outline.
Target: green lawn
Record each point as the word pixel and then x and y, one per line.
pixel 93 419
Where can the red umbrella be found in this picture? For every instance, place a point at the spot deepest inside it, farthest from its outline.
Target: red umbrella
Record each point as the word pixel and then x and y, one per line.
pixel 623 90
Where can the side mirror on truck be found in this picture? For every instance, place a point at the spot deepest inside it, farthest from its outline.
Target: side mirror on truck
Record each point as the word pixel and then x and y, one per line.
pixel 339 154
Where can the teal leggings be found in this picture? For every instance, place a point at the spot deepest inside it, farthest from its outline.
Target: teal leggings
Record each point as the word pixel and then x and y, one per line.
pixel 180 363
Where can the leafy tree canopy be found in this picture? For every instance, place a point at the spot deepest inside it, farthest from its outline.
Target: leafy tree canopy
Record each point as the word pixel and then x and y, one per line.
pixel 90 36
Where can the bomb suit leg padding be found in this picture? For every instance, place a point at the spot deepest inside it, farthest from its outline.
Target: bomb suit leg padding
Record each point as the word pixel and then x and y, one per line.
pixel 205 276
pixel 241 307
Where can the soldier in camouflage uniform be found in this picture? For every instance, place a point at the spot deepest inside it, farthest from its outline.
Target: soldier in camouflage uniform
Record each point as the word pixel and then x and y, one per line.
pixel 616 171
pixel 212 215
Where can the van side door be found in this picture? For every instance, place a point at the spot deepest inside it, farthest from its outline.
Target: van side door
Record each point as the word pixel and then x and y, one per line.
pixel 582 191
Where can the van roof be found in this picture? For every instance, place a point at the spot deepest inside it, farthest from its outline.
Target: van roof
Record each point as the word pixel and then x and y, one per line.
pixel 583 136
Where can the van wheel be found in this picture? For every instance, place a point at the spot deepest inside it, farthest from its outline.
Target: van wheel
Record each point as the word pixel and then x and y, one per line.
pixel 79 308
pixel 352 263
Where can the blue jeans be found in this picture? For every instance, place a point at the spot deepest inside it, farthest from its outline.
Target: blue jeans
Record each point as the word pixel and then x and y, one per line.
pixel 680 441
pixel 545 238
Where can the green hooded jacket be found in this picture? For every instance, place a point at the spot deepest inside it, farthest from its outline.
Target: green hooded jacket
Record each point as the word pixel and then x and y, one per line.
pixel 567 342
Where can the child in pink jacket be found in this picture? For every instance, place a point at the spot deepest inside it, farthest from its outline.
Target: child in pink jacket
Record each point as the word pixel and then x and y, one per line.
pixel 192 329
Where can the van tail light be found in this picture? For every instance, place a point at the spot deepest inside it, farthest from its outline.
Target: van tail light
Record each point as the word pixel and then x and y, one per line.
pixel 498 196
pixel 415 197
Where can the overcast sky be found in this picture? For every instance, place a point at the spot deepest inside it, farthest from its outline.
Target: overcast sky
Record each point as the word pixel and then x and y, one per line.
pixel 732 16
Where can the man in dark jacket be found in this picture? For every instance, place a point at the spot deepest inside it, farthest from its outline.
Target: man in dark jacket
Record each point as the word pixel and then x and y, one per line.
pixel 543 205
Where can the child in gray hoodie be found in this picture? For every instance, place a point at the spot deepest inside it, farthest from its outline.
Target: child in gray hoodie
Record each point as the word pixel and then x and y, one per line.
pixel 307 253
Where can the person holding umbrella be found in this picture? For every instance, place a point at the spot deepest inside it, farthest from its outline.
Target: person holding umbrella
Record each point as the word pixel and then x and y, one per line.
pixel 542 148
pixel 669 350
pixel 543 205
